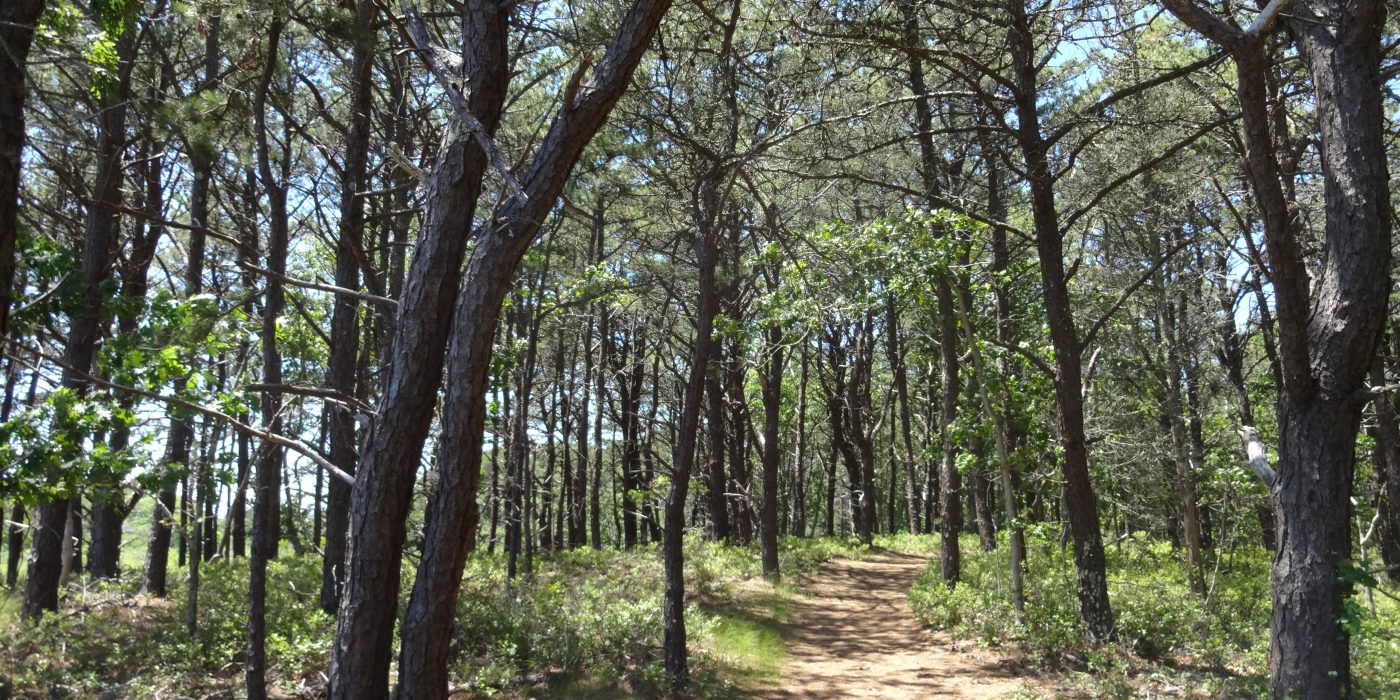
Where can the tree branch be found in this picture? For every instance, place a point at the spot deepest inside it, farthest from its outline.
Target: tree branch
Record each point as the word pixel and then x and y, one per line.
pixel 1255 452
pixel 292 443
pixel 417 34
pixel 1123 298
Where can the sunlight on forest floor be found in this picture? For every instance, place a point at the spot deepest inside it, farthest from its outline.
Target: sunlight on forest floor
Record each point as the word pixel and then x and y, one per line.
pixel 588 626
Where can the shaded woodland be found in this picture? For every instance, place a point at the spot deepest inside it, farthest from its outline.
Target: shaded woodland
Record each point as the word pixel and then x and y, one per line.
pixel 399 299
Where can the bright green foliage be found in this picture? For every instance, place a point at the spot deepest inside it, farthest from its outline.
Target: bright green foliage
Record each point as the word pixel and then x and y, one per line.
pixel 1167 635
pixel 117 645
pixel 299 633
pixel 38 463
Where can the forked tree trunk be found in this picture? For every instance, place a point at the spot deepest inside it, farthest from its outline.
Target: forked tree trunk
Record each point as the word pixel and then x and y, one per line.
pixel 1326 347
pixel 426 635
pixel 1309 649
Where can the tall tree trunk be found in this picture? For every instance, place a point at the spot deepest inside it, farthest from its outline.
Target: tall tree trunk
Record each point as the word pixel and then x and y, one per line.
pixel 426 635
pixel 718 480
pixel 905 444
pixel 578 511
pixel 629 371
pixel 344 350
pixel 982 492
pixel 17 23
pixel 266 486
pixel 772 379
pixel 600 391
pixel 1387 476
pixel 739 422
pixel 799 454
pixel 999 410
pixel 100 235
pixel 673 563
pixel 649 450
pixel 1083 512
pixel 949 505
pixel 837 395
pixel 860 414
pixel 1184 480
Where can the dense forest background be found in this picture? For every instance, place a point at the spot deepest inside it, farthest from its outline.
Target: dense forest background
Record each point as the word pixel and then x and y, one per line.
pixel 368 346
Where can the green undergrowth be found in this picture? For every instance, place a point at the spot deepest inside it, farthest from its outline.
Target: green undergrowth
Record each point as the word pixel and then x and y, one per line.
pixel 587 624
pixel 108 642
pixel 1170 641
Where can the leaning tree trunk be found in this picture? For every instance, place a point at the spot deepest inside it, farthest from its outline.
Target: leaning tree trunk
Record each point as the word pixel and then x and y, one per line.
pixel 1082 504
pixel 383 490
pixel 426 636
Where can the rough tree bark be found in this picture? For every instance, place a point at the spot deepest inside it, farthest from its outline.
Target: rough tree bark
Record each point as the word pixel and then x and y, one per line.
pixel 499 248
pixel 17 21
pixel 381 496
pixel 1326 347
pixel 344 350
pixel 100 232
pixel 1083 512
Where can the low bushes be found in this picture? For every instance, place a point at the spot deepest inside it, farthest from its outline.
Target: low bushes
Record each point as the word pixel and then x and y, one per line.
pixel 1167 636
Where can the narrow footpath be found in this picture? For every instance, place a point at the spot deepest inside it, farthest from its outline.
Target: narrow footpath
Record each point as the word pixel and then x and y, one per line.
pixel 851 635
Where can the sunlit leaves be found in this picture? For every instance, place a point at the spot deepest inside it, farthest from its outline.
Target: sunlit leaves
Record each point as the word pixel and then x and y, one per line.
pixel 48 449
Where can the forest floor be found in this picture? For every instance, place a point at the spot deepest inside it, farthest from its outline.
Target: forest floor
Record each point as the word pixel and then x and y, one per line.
pixel 850 634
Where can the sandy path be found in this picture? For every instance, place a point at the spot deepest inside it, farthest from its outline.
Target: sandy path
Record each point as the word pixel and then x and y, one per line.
pixel 852 635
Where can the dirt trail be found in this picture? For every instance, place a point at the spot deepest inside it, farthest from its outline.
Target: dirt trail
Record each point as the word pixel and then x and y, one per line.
pixel 852 635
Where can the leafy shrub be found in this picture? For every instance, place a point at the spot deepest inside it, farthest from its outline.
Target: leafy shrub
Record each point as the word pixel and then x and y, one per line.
pixel 1166 633
pixel 105 642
